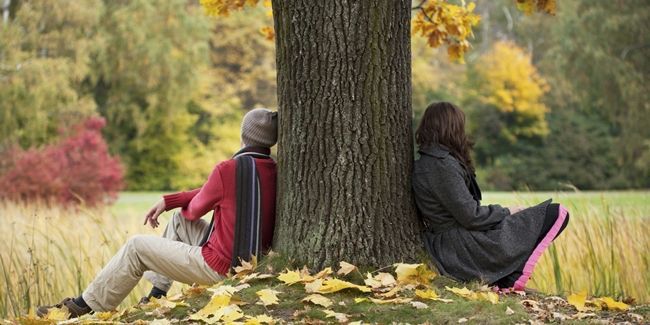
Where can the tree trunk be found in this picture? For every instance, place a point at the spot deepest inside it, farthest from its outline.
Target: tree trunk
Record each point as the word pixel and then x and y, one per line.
pixel 345 143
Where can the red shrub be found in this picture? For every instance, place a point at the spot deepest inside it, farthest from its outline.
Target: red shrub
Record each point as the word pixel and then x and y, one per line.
pixel 78 169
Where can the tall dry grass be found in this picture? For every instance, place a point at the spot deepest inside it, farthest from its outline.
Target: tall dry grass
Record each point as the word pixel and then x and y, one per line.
pixel 603 251
pixel 47 253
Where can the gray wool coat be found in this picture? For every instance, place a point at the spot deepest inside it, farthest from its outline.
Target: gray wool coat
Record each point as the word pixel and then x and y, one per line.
pixel 467 240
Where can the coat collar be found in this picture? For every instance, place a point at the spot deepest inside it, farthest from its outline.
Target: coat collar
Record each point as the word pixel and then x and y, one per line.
pixel 436 150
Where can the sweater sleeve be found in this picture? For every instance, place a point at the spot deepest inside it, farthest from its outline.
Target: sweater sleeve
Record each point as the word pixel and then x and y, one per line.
pixel 202 200
pixel 180 199
pixel 454 195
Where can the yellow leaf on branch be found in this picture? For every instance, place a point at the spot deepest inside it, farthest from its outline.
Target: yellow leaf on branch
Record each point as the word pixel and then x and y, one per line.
pixel 441 22
pixel 530 6
pixel 224 7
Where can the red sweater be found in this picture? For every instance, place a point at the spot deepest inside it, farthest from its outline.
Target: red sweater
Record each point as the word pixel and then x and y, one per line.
pixel 218 195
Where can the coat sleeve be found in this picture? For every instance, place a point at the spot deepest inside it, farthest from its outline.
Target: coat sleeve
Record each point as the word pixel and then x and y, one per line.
pixel 195 204
pixel 450 189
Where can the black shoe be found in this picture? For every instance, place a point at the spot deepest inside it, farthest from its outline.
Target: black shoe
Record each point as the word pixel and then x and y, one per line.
pixel 74 309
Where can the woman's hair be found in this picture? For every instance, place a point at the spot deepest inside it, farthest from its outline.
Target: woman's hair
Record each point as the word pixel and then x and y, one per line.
pixel 443 123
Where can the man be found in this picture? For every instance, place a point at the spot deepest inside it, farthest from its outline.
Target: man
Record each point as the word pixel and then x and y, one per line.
pixel 240 192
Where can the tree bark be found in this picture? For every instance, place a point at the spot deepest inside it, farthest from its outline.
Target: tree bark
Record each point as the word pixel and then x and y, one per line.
pixel 345 141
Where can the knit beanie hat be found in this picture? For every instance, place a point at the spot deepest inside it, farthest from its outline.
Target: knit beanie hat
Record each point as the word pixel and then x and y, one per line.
pixel 260 128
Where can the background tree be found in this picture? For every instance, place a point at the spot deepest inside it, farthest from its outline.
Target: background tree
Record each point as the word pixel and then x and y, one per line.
pixel 43 69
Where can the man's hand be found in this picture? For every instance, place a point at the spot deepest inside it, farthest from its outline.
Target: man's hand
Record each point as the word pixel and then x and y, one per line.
pixel 154 212
pixel 515 209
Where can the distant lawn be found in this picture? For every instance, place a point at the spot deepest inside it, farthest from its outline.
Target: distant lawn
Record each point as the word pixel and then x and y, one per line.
pixel 625 203
pixel 630 203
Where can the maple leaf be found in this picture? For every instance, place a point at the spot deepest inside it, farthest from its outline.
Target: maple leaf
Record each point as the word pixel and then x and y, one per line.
pixel 104 316
pixel 341 317
pixel 419 305
pixel 246 267
pixel 413 273
pixel 611 304
pixel 212 311
pixel 259 319
pixel 323 273
pixel 314 286
pixel 334 285
pixel 471 295
pixel 57 314
pixel 318 300
pixel 289 277
pixel 346 268
pixel 391 293
pixel 431 295
pixel 578 300
pixel 380 280
pixel 268 297
pixel 391 301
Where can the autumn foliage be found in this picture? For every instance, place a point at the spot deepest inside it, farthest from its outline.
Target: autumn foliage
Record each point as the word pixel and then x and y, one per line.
pixel 77 169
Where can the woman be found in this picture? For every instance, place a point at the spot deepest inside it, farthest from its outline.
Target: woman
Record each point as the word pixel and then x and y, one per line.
pixel 466 240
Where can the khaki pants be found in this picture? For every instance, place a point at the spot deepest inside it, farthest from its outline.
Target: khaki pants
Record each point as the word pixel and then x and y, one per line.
pixel 173 257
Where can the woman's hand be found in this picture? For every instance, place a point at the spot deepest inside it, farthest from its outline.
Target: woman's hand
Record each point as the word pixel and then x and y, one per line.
pixel 154 212
pixel 515 209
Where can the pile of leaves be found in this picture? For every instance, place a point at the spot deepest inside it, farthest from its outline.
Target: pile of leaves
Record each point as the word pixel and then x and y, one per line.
pixel 258 294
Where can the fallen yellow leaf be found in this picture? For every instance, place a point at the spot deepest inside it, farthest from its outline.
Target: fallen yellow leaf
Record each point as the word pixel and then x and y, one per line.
pixel 578 300
pixel 341 317
pixel 380 280
pixel 268 297
pixel 322 274
pixel 391 293
pixel 464 292
pixel 57 314
pixel 318 299
pixel 427 294
pixel 413 273
pixel 290 277
pixel 314 286
pixel 360 300
pixel 611 304
pixel 231 313
pixel 246 267
pixel 419 305
pixel 212 309
pixel 490 296
pixel 334 285
pixel 259 319
pixel 104 316
pixel 346 268
pixel 391 301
